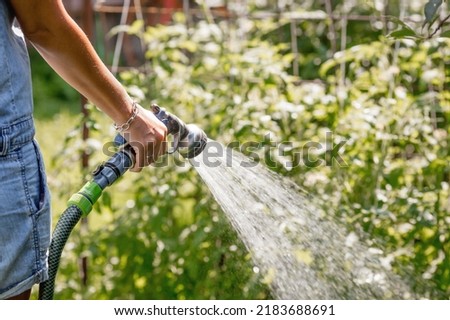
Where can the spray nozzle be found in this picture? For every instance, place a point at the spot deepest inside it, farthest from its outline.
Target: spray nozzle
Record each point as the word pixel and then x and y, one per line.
pixel 188 139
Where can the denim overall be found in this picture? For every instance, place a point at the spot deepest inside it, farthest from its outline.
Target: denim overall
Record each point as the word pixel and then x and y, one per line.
pixel 24 197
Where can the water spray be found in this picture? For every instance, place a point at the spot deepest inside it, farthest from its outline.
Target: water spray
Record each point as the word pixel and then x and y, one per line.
pixel 188 140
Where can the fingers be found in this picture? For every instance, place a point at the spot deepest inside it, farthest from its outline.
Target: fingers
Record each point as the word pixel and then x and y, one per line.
pixel 147 136
pixel 148 153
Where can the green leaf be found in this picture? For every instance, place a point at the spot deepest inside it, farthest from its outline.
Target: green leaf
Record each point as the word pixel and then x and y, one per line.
pixel 403 33
pixel 431 9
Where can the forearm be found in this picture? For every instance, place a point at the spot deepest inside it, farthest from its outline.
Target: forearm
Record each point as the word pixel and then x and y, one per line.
pixel 69 52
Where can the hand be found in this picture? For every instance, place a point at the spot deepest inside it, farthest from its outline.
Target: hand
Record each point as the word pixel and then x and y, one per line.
pixel 147 136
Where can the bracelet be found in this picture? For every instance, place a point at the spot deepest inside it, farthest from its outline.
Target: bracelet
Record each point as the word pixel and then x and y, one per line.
pixel 126 125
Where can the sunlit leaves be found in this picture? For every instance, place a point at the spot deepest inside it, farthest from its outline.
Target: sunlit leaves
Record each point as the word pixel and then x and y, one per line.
pixel 397 143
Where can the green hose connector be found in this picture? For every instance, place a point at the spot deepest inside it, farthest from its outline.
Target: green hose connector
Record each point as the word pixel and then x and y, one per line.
pixel 86 197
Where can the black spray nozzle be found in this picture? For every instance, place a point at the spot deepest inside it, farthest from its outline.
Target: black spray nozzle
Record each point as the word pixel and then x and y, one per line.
pixel 188 139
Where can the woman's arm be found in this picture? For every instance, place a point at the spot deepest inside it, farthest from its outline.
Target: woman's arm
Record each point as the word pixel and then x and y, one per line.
pixel 65 47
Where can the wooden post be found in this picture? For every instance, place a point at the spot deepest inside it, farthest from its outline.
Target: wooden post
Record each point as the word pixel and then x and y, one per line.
pixel 87 20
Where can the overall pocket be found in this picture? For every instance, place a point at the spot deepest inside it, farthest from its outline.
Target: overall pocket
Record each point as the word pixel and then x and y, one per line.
pixel 38 197
pixel 34 179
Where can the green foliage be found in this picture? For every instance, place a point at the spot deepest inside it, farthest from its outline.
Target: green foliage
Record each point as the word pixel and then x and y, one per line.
pixel 395 117
pixel 431 12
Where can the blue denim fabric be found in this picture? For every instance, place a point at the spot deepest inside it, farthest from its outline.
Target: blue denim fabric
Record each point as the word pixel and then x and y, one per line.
pixel 25 218
pixel 16 96
pixel 24 197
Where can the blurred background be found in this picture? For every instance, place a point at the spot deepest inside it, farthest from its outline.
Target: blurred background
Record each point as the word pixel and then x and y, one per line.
pixel 297 70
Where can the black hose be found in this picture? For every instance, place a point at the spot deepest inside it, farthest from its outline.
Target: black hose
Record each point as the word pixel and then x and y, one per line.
pixel 64 227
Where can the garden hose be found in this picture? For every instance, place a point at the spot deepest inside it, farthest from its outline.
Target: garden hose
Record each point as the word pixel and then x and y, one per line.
pixel 189 141
pixel 63 228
